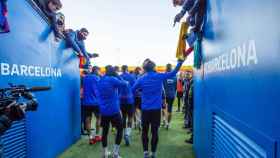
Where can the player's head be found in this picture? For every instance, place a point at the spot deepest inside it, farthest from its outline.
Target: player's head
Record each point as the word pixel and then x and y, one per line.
pixel 168 67
pixel 124 68
pixel 149 65
pixel 109 70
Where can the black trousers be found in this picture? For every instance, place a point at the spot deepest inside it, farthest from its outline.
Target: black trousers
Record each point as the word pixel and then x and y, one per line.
pixel 179 98
pixel 150 118
pixel 127 111
pixel 116 121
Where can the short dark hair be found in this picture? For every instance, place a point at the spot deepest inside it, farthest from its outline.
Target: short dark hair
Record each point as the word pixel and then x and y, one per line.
pixel 56 2
pixel 137 70
pixel 84 30
pixel 148 65
pixel 124 68
pixel 95 69
pixel 116 68
pixel 109 70
pixel 168 67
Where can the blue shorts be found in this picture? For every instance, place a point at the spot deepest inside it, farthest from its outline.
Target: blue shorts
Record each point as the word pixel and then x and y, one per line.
pixel 169 104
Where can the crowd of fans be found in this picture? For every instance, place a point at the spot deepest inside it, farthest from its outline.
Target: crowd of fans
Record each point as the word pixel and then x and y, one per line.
pixel 74 39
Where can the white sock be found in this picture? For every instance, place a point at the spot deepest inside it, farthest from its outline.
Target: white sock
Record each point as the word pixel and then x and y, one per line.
pixel 125 131
pixel 105 151
pixel 92 134
pixel 116 149
pixel 128 131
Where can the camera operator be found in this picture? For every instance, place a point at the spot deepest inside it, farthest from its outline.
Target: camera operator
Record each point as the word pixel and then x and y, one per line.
pixel 7 116
pixel 13 110
pixel 14 113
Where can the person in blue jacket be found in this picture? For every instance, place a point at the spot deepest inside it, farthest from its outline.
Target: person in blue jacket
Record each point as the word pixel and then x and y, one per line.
pixel 90 104
pixel 110 108
pixel 196 11
pixel 170 92
pixel 137 100
pixel 187 5
pixel 126 102
pixel 151 85
pixel 76 40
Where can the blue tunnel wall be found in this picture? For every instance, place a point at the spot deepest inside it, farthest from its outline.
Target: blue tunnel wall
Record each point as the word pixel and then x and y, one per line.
pixel 237 89
pixel 29 55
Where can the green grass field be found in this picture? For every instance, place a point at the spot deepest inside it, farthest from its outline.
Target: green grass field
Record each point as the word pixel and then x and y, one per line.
pixel 171 144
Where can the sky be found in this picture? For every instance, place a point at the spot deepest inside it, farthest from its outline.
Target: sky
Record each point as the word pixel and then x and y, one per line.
pixel 126 31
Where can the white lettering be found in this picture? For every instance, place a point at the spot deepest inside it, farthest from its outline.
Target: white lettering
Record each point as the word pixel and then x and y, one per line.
pixel 14 70
pixel 23 70
pixel 5 69
pixel 59 74
pixel 37 71
pixel 48 72
pixel 240 56
pixel 53 72
pixel 42 72
pixel 31 72
pixel 233 58
pixel 252 53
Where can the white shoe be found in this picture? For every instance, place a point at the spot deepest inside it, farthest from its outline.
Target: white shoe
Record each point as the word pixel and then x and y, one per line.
pixel 146 155
pixel 106 155
pixel 117 156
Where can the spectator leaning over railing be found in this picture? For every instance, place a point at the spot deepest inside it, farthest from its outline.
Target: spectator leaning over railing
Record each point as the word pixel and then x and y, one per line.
pixel 4 25
pixel 57 19
pixel 76 40
pixel 195 9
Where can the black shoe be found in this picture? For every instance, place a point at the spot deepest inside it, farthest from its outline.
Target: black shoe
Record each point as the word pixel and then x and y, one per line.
pixel 167 127
pixel 189 132
pixel 189 141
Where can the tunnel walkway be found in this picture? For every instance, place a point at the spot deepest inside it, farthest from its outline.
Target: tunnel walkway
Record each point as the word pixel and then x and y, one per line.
pixel 171 144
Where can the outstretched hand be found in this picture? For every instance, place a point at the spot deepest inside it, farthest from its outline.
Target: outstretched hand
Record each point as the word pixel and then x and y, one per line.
pixel 182 59
pixel 94 55
pixel 177 18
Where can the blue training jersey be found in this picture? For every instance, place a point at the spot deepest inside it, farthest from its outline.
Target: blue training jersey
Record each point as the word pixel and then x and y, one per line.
pixel 108 95
pixel 170 87
pixel 151 85
pixel 126 96
pixel 90 93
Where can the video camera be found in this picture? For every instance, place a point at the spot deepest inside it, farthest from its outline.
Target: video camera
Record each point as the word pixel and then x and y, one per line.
pixel 14 102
